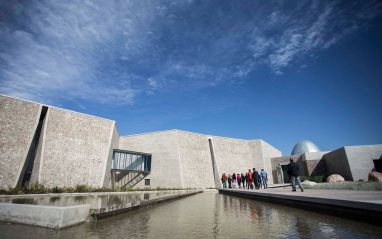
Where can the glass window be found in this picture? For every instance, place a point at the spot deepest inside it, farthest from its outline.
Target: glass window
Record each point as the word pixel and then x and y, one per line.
pixel 147 182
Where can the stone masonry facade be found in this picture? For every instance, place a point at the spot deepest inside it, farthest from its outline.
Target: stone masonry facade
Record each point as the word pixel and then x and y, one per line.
pixel 18 120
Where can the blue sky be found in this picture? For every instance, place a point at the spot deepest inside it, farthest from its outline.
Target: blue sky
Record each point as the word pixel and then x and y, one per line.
pixel 280 71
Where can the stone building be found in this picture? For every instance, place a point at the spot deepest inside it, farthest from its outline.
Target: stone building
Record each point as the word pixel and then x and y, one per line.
pixel 56 147
pixel 354 163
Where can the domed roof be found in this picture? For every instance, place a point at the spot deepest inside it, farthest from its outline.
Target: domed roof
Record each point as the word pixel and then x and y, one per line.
pixel 304 146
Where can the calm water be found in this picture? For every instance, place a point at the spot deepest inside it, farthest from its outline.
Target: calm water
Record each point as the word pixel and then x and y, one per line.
pixel 207 215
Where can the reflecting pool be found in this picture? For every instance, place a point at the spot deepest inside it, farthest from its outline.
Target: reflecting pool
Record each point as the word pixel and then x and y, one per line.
pixel 99 203
pixel 207 215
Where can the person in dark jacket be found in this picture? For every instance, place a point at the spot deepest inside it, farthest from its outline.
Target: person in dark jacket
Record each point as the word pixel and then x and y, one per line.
pixel 229 181
pixel 256 178
pixel 243 179
pixel 293 169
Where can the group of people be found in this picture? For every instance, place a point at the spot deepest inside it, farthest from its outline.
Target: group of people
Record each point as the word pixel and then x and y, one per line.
pixel 249 180
pixel 260 179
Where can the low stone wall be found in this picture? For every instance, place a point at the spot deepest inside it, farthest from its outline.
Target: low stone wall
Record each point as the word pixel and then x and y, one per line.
pixel 43 216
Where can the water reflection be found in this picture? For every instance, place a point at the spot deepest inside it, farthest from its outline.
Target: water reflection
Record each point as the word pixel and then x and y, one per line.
pixel 207 215
pixel 98 203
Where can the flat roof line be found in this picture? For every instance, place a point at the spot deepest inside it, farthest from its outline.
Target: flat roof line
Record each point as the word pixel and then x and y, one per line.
pixel 50 106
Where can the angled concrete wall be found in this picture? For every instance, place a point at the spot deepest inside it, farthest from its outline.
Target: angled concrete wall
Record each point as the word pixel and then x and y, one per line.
pixel 114 144
pixel 361 158
pixel 165 163
pixel 337 163
pixel 267 152
pixel 18 123
pixel 75 150
pixel 195 160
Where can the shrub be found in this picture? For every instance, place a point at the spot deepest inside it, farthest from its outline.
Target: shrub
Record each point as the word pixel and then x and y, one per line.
pixel 360 186
pixel 56 189
pixel 82 188
pixel 317 179
pixel 35 189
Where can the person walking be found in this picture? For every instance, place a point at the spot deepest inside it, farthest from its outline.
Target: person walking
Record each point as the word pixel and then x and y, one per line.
pixel 246 180
pixel 243 179
pixel 234 180
pixel 239 180
pixel 256 178
pixel 293 169
pixel 264 178
pixel 224 180
pixel 229 181
pixel 250 179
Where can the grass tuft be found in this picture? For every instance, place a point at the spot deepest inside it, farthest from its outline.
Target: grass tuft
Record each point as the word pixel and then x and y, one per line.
pixel 360 186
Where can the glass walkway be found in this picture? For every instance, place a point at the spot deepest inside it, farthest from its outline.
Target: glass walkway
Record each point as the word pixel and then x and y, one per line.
pixel 129 168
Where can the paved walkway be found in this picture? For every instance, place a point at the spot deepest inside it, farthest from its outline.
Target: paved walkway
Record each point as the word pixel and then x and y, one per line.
pixel 365 206
pixel 347 195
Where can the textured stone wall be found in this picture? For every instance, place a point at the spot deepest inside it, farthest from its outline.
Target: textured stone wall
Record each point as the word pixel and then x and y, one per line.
pixel 256 150
pixel 114 145
pixel 18 122
pixel 165 165
pixel 268 152
pixel 75 149
pixel 262 152
pixel 315 163
pixel 195 160
pixel 232 155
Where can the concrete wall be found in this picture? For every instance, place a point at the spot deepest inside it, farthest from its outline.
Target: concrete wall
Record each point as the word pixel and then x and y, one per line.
pixel 195 160
pixel 165 164
pixel 361 158
pixel 75 150
pixel 314 163
pixel 337 163
pixel 114 144
pixel 269 152
pixel 44 216
pixel 297 158
pixel 232 155
pixel 18 123
pixel 256 148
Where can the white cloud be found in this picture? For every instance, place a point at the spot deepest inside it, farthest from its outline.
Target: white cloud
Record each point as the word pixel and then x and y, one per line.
pixel 110 52
pixel 152 82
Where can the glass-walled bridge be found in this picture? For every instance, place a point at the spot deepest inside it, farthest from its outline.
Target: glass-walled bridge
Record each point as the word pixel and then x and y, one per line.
pixel 128 168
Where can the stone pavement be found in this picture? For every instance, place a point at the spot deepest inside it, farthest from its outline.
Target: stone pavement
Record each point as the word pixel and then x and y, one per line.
pixel 348 195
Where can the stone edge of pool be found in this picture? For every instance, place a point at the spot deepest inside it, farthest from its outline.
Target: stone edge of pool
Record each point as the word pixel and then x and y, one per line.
pixel 143 204
pixel 353 210
pixel 44 216
pixel 61 217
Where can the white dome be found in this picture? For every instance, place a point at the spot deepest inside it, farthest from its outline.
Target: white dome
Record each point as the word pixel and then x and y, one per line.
pixel 304 146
